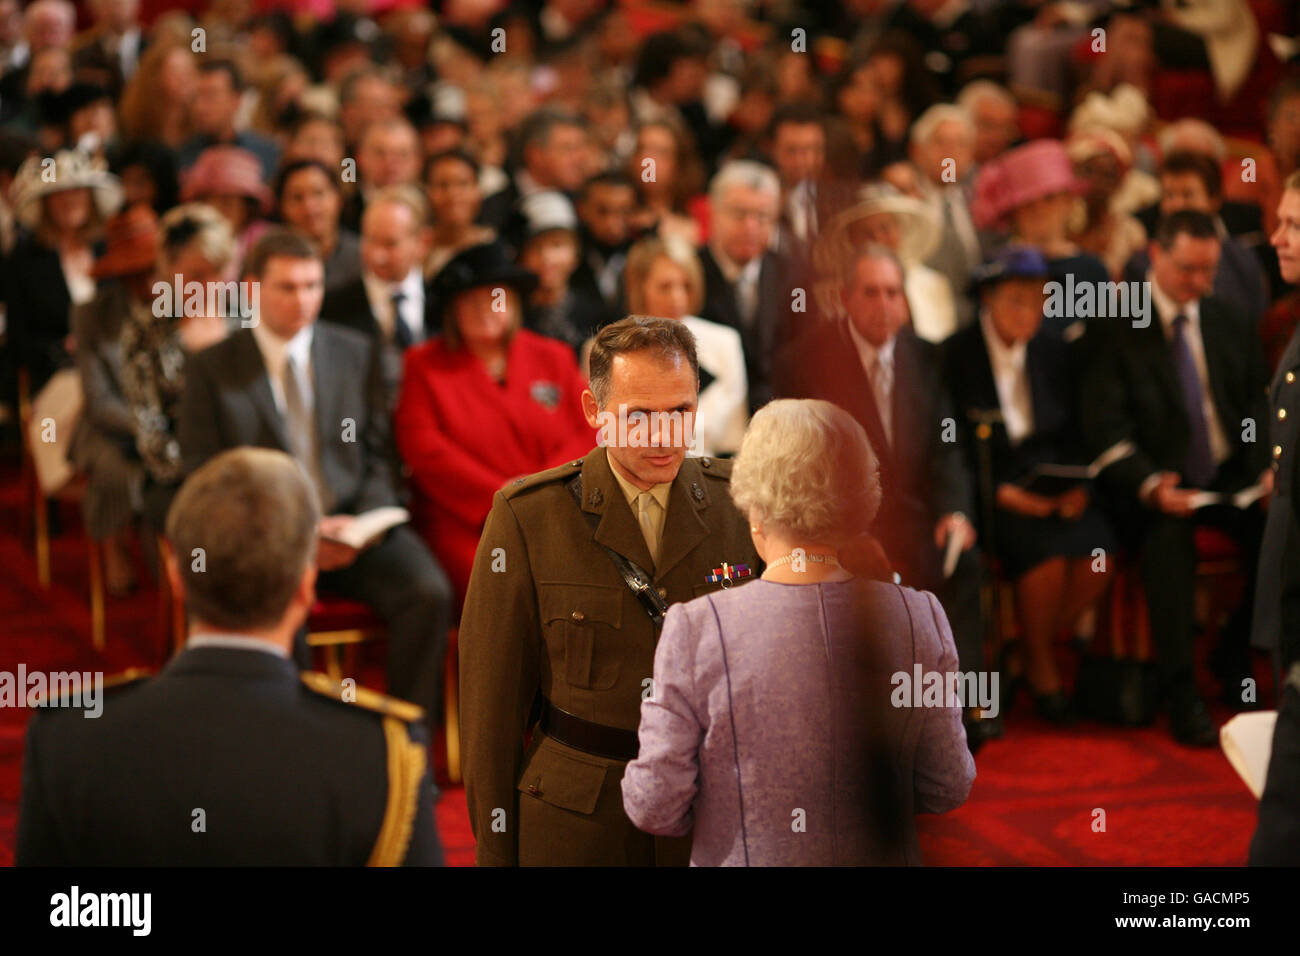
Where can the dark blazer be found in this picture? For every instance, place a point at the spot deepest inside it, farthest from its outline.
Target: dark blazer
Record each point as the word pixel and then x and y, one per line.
pixel 348 306
pixel 922 476
pixel 1131 391
pixel 38 308
pixel 584 284
pixel 228 403
pixel 285 775
pixel 770 329
pixel 968 373
pixel 1239 281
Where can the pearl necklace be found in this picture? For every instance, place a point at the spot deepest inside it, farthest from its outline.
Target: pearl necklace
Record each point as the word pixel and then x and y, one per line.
pixel 828 559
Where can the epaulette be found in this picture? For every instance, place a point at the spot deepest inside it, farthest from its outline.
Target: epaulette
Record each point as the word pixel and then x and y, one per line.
pixel 114 682
pixel 716 467
pixel 528 482
pixel 362 697
pixel 1293 676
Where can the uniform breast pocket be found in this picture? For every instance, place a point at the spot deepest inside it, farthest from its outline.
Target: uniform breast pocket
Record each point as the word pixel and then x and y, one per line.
pixel 582 622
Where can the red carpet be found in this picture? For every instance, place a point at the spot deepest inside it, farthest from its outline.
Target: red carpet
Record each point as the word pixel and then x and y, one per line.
pixel 1034 802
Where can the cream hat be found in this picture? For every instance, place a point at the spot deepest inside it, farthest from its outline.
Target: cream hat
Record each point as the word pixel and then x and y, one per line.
pixel 39 177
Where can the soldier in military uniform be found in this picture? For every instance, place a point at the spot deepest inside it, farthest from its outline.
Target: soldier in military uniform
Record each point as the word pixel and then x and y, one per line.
pixel 230 756
pixel 574 570
pixel 1277 592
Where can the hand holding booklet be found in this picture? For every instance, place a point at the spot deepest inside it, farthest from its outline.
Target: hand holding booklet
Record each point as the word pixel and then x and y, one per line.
pixel 368 526
pixel 1242 499
pixel 1052 480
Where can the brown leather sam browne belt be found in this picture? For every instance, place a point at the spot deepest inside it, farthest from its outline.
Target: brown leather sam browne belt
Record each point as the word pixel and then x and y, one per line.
pixel 598 740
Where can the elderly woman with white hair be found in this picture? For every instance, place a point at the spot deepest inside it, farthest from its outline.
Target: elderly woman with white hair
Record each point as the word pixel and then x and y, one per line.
pixel 838 778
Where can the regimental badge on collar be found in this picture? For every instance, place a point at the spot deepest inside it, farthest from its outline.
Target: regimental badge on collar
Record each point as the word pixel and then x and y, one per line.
pixel 546 394
pixel 728 573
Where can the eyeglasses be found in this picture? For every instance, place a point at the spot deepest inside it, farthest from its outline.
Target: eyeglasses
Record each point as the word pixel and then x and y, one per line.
pixel 760 215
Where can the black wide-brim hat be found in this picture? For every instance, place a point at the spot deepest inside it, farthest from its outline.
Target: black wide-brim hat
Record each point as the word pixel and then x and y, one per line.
pixel 488 263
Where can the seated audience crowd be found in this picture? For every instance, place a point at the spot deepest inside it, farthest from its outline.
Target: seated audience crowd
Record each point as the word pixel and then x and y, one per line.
pixel 1031 296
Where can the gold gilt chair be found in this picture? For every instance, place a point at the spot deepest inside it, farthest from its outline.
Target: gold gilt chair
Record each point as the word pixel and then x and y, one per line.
pixel 72 493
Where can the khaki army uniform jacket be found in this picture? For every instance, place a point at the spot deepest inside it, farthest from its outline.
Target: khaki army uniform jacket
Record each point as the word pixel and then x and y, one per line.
pixel 548 616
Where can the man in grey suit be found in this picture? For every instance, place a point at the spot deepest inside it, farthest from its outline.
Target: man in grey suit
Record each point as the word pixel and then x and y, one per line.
pixel 315 391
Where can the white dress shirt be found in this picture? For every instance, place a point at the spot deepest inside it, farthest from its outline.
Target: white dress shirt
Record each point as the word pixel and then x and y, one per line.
pixel 240 642
pixel 801 209
pixel 379 293
pixel 1011 376
pixel 275 351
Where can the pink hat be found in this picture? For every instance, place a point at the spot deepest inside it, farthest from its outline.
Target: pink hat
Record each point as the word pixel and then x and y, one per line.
pixel 1020 176
pixel 227 171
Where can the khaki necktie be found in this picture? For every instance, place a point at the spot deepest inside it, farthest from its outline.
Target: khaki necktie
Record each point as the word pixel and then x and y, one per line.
pixel 647 512
pixel 302 432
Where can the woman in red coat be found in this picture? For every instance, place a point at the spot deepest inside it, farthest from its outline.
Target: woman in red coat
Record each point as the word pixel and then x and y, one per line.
pixel 483 403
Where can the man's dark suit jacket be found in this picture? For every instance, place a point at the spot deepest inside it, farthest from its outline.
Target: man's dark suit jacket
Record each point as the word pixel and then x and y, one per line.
pixel 1131 391
pixel 285 775
pixel 922 477
pixel 770 329
pixel 349 307
pixel 228 403
pixel 1239 282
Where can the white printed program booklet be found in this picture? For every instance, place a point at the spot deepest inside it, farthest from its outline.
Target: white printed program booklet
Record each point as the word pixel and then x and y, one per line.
pixel 1247 741
pixel 370 525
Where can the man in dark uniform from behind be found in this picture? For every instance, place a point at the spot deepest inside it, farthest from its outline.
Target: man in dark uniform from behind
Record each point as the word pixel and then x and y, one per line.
pixel 230 756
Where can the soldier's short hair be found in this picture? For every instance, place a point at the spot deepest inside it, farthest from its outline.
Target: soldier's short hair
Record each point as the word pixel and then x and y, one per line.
pixel 1292 181
pixel 243 528
pixel 806 468
pixel 668 338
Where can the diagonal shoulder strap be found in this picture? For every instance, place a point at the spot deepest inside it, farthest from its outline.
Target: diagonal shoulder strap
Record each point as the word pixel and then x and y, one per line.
pixel 634 576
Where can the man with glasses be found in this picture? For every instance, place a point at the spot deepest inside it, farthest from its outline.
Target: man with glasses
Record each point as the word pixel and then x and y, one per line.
pixel 746 282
